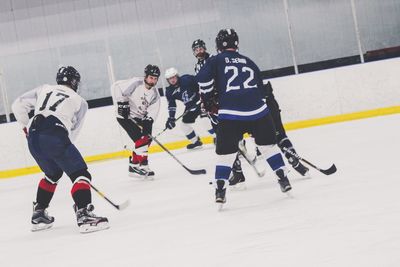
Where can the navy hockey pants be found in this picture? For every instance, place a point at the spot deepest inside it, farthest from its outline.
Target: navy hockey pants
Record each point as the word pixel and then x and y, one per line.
pixel 53 151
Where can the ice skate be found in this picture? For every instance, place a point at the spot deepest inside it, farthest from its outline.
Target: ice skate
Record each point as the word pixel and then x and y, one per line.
pixel 237 180
pixel 140 170
pixel 88 222
pixel 197 144
pixel 283 181
pixel 40 219
pixel 296 164
pixel 303 170
pixel 220 193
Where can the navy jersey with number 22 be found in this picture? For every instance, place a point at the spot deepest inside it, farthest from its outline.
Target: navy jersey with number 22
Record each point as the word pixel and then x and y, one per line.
pixel 238 83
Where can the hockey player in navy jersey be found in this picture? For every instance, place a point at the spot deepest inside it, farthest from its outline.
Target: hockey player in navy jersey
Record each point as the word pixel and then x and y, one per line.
pixel 200 52
pixel 282 139
pixel 58 116
pixel 183 88
pixel 238 83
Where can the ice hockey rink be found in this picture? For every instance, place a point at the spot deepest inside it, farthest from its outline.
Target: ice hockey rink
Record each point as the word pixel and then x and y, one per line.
pixel 350 218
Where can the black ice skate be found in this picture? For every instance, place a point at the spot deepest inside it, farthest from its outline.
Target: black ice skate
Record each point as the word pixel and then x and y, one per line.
pixel 196 144
pixel 220 192
pixel 140 170
pixel 237 179
pixel 283 181
pixel 300 168
pixel 40 219
pixel 88 222
pixel 296 164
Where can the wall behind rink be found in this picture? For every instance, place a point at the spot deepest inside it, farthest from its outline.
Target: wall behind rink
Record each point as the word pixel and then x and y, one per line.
pixel 301 97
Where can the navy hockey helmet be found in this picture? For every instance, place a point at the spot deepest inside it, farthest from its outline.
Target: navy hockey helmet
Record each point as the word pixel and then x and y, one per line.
pixel 227 38
pixel 198 43
pixel 68 76
pixel 152 70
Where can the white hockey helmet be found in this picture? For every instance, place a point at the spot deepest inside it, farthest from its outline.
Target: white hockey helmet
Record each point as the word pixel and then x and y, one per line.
pixel 171 72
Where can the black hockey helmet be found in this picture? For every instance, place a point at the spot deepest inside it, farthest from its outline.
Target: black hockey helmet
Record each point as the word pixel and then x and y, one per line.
pixel 198 43
pixel 227 38
pixel 68 76
pixel 152 70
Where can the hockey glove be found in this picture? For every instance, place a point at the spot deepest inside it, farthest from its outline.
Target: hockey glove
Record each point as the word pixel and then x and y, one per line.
pixel 211 106
pixel 170 124
pixel 147 125
pixel 123 109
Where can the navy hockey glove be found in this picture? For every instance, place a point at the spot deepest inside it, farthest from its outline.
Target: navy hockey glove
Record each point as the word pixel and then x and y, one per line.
pixel 123 109
pixel 147 125
pixel 211 106
pixel 170 124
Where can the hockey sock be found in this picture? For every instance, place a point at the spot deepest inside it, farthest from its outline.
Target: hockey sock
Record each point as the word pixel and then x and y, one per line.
pixel 273 156
pixel 81 192
pixel 45 192
pixel 189 132
pixel 139 155
pixel 223 167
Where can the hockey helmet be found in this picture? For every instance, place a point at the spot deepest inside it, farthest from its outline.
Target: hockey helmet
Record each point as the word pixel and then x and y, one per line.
pixel 152 70
pixel 227 38
pixel 171 72
pixel 68 76
pixel 198 43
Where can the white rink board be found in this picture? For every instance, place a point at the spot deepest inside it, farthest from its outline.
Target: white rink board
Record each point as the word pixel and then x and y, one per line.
pixel 301 97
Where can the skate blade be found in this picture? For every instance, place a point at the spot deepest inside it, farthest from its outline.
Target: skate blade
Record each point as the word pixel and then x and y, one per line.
pixel 87 228
pixel 238 187
pixel 289 194
pixel 195 148
pixel 141 177
pixel 220 206
pixel 40 227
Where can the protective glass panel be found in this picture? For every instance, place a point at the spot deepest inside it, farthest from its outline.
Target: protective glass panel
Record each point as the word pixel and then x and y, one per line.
pixel 379 23
pixel 322 30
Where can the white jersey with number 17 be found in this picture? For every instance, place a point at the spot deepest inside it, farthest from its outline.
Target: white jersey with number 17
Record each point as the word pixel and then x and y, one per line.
pixel 57 100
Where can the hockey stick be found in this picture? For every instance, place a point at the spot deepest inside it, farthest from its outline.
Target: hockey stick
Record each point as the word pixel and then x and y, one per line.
pixel 181 116
pixel 118 207
pixel 332 169
pixel 194 172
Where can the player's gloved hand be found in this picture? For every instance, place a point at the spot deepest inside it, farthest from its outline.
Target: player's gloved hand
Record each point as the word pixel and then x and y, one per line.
pixel 211 106
pixel 123 109
pixel 170 124
pixel 147 125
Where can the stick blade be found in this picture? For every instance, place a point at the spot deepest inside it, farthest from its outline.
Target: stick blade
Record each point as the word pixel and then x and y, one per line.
pixel 196 172
pixel 330 170
pixel 123 205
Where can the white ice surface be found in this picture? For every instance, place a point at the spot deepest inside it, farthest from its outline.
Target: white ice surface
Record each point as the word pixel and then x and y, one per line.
pixel 351 218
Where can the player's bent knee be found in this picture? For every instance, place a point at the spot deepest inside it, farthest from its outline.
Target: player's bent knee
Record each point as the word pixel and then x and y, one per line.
pixel 54 178
pixel 81 175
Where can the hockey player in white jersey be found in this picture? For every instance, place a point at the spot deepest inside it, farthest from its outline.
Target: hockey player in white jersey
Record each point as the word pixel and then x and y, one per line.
pixel 137 103
pixel 58 116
